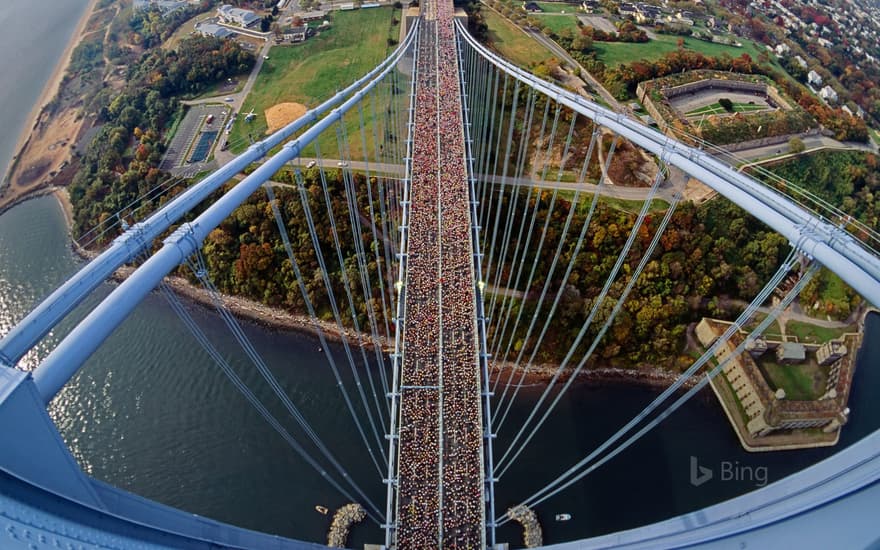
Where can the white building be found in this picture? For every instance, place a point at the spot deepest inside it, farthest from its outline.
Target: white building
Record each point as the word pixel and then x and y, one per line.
pixel 212 29
pixel 828 94
pixel 814 78
pixel 237 16
pixel 782 49
pixel 801 61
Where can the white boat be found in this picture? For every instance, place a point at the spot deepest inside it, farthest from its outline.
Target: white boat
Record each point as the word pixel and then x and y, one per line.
pixel 563 517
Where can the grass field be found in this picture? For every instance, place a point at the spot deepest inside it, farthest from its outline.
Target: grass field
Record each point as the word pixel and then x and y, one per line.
pixel 632 207
pixel 800 382
pixel 558 7
pixel 313 71
pixel 615 53
pixel 731 392
pixel 772 332
pixel 717 109
pixel 813 334
pixel 512 43
pixel 558 23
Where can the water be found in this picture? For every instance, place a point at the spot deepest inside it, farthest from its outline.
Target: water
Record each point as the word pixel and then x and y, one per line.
pixel 33 34
pixel 151 414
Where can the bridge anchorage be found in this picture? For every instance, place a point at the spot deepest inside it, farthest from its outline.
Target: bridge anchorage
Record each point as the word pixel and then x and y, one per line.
pixel 417 248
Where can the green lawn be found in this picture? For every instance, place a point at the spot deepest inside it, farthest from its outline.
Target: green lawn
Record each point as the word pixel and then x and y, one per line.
pixel 512 43
pixel 796 380
pixel 633 207
pixel 813 334
pixel 558 7
pixel 185 30
pixel 615 53
pixel 313 71
pixel 558 23
pixel 771 333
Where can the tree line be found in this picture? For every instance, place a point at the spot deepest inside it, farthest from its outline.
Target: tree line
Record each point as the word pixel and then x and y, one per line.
pixel 122 161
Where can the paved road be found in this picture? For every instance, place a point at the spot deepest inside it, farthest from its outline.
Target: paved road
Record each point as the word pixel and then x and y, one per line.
pixel 239 97
pixel 811 143
pixel 795 313
pixel 612 191
pixel 665 192
pixel 560 52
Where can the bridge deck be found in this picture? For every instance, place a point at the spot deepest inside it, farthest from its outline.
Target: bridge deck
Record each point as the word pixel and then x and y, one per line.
pixel 440 491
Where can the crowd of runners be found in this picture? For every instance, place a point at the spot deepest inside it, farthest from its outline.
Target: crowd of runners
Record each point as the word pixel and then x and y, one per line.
pixel 440 461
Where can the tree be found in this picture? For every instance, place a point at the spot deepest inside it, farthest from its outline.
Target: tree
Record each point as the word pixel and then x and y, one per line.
pixel 542 71
pixel 582 43
pixel 796 145
pixel 726 103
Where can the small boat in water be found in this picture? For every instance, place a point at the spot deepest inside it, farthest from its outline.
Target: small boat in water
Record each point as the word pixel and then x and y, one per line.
pixel 563 517
pixel 322 509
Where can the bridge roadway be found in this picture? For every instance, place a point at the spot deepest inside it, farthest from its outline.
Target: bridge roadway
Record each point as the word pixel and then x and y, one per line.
pixel 440 474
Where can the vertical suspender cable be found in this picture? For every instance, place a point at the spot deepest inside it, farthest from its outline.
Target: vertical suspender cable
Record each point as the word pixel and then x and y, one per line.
pixel 255 402
pixel 578 246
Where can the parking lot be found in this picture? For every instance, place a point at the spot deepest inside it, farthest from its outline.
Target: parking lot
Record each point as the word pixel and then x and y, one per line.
pixel 192 144
pixel 597 22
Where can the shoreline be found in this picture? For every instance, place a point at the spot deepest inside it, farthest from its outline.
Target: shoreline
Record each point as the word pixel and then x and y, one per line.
pixel 276 319
pixel 50 91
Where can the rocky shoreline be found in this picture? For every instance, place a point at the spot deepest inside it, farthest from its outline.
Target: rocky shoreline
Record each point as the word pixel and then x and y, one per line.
pixel 280 320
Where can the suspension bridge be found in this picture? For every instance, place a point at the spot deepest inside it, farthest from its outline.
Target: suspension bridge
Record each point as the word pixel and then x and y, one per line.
pixel 451 136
